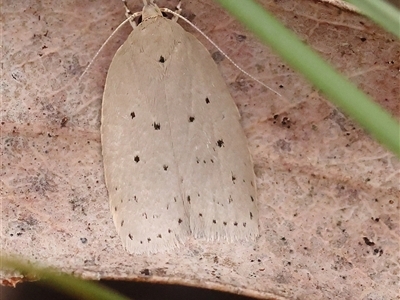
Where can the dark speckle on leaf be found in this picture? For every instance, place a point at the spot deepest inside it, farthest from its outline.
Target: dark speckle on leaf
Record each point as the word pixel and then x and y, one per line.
pixel 64 121
pixel 368 242
pixel 217 57
pixel 145 272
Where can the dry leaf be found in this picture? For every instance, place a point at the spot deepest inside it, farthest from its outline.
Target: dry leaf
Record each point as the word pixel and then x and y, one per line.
pixel 328 194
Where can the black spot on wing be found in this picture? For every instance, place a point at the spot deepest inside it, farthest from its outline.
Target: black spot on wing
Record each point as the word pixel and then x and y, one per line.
pixel 233 178
pixel 157 126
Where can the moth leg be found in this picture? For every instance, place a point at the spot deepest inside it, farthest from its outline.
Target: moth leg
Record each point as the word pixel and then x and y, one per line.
pixel 129 15
pixel 178 10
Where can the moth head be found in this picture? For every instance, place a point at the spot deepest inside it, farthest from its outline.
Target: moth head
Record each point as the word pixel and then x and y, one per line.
pixel 150 10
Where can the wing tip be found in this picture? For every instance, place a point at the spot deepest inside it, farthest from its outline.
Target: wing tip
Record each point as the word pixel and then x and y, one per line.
pixel 152 247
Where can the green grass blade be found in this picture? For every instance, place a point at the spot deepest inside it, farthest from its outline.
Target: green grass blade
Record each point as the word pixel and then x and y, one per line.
pixel 338 90
pixel 75 287
pixel 381 12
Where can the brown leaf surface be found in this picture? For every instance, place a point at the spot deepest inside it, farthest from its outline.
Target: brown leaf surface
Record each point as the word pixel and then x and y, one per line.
pixel 328 193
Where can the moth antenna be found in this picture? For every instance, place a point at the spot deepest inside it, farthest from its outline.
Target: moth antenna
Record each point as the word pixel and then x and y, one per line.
pixel 220 50
pixel 131 17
